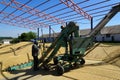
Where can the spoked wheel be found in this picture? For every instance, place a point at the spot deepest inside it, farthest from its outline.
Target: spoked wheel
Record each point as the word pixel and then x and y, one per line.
pixel 55 60
pixel 60 69
pixel 82 61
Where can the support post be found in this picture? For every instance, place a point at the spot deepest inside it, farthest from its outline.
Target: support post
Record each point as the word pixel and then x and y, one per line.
pixel 28 57
pixel 43 41
pixel 92 23
pixel 49 31
pixel 38 33
pixel 42 32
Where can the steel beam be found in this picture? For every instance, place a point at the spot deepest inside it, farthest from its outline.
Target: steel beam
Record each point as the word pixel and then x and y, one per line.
pixel 33 12
pixel 74 7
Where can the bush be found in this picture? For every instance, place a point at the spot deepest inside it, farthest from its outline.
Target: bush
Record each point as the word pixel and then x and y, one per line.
pixel 15 40
pixel 24 37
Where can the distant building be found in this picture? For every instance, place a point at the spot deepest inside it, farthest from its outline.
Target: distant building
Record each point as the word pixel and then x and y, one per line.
pixel 111 33
pixel 108 33
pixel 6 41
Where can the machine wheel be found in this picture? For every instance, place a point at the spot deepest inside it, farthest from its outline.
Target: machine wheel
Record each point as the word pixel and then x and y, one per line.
pixel 76 65
pixel 46 67
pixel 60 69
pixel 55 60
pixel 82 61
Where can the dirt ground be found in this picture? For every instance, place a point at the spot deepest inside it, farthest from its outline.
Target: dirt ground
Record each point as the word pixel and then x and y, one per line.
pixel 102 63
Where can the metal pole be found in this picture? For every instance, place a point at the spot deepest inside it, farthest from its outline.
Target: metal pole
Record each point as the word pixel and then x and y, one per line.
pixel 42 32
pixel 38 33
pixel 92 23
pixel 43 41
pixel 66 23
pixel 49 31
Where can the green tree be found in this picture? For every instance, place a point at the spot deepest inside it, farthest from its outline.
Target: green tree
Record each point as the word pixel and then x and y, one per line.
pixel 31 35
pixel 15 40
pixel 25 37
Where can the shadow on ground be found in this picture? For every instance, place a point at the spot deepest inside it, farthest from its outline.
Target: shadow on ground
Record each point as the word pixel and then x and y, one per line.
pixel 29 73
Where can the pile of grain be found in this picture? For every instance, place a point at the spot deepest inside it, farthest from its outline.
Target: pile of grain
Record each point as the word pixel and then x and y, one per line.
pixel 108 52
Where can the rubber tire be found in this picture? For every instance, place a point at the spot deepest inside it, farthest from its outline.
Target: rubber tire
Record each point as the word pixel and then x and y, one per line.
pixel 76 65
pixel 46 67
pixel 82 61
pixel 60 69
pixel 55 61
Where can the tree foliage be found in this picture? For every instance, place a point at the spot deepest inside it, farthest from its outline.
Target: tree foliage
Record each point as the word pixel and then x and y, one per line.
pixel 25 37
pixel 15 40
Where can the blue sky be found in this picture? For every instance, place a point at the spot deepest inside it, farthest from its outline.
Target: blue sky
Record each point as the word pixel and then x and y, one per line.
pixel 14 31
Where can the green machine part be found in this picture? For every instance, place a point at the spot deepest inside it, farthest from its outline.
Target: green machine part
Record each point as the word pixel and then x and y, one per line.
pixel 80 45
pixel 55 46
pixel 20 66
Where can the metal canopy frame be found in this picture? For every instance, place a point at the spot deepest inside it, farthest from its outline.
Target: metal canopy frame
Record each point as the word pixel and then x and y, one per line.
pixel 58 12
